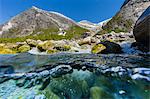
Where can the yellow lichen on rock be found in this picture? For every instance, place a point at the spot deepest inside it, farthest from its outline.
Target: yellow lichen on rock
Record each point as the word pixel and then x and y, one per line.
pixel 5 50
pixel 98 48
pixel 23 48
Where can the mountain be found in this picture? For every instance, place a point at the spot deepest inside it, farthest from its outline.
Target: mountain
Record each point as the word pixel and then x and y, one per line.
pixel 125 19
pixel 89 25
pixel 95 27
pixel 35 21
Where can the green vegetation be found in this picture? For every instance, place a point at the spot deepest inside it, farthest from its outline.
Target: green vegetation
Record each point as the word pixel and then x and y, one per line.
pixel 74 32
pixel 118 24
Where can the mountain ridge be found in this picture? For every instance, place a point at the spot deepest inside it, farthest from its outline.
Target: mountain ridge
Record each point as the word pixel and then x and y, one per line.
pixel 27 22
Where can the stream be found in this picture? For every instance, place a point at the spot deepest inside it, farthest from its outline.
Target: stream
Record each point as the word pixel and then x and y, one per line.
pixel 75 76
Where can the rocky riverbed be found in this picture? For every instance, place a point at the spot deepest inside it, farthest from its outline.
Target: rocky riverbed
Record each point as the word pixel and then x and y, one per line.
pixel 87 76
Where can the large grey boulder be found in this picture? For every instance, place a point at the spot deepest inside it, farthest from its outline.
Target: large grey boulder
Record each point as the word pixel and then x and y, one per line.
pixel 142 29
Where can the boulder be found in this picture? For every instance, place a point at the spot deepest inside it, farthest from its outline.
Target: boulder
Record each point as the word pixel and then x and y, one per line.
pixel 85 41
pixel 23 48
pixel 106 47
pixel 141 30
pixel 99 93
pixel 62 47
pixel 51 51
pixel 5 50
pixel 12 45
pixel 43 46
pixel 32 43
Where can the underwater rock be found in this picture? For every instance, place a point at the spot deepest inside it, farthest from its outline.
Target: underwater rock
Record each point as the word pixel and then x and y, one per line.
pixel 7 69
pixel 45 83
pixel 99 93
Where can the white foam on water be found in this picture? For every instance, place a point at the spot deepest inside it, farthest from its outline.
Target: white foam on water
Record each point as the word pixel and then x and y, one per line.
pixel 35 51
pixel 138 76
pixel 126 48
pixel 142 70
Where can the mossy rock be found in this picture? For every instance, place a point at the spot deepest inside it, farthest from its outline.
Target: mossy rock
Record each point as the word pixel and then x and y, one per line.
pixel 63 47
pixel 23 48
pixel 98 48
pixel 51 51
pixel 45 46
pixel 99 93
pixel 106 47
pixel 6 51
pixel 31 42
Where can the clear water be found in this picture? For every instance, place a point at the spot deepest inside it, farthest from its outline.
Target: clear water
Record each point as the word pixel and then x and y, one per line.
pixel 79 84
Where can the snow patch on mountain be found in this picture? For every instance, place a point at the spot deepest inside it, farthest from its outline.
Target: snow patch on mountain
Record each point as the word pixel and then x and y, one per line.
pixel 59 14
pixel 104 22
pixel 7 26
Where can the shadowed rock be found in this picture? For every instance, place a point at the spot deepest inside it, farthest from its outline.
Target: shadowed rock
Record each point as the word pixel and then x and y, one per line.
pixel 142 30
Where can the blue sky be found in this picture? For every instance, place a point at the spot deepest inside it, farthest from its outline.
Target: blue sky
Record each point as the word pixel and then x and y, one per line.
pixel 91 10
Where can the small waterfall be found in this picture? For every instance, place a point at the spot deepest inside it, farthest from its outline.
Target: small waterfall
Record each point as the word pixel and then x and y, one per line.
pixel 36 51
pixel 127 49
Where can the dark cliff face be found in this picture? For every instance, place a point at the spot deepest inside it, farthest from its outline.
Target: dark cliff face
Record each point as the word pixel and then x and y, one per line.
pixel 125 19
pixel 35 19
